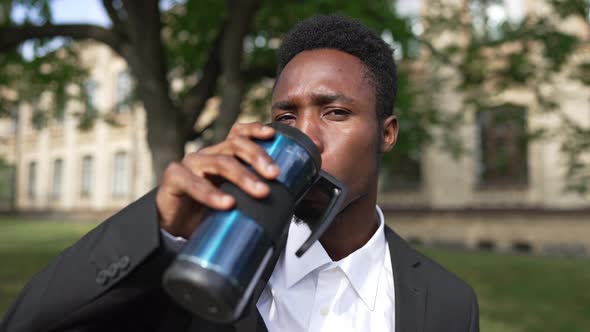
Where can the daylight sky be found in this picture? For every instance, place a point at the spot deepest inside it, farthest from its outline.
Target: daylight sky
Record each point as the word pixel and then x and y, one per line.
pixel 91 11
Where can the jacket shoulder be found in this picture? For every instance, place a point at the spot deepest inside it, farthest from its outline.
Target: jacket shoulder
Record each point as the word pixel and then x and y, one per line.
pixel 450 303
pixel 441 280
pixel 432 273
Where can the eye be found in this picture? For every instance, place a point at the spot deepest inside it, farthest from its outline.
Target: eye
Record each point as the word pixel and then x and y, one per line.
pixel 285 117
pixel 337 114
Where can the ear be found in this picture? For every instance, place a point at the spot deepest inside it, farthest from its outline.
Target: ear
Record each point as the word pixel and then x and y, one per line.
pixel 390 130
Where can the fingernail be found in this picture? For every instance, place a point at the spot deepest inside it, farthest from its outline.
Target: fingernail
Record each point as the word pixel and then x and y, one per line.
pixel 272 169
pixel 267 129
pixel 259 187
pixel 224 199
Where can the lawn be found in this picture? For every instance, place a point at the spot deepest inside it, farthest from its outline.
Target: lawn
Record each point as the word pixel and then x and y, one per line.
pixel 516 293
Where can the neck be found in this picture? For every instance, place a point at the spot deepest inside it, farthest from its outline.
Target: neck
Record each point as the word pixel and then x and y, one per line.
pixel 352 228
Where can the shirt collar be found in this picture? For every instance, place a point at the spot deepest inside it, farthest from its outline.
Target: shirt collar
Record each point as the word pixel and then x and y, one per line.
pixel 362 267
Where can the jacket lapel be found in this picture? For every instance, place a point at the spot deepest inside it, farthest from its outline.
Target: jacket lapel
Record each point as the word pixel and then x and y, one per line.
pixel 253 322
pixel 410 289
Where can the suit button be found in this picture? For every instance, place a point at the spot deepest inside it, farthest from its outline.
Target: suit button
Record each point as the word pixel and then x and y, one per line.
pixel 102 278
pixel 124 262
pixel 113 270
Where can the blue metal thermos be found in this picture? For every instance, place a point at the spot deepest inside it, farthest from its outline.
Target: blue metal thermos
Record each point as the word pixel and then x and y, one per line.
pixel 215 275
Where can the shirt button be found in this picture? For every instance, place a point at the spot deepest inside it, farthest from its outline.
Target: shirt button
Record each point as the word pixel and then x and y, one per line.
pixel 324 311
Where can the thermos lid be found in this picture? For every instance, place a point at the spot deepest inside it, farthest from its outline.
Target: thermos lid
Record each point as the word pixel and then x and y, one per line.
pixel 299 137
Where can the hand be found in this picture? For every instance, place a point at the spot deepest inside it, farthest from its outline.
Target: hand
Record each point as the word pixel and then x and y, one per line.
pixel 188 188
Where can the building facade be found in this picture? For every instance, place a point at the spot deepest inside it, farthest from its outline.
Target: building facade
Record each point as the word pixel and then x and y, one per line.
pixel 60 167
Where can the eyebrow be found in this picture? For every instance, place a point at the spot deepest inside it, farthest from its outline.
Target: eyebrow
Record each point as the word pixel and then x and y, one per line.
pixel 317 99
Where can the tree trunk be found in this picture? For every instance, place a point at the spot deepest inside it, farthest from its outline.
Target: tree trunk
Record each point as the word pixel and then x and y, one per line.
pixel 165 134
pixel 164 150
pixel 232 91
pixel 164 137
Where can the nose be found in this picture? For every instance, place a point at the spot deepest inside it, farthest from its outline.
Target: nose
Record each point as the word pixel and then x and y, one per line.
pixel 312 129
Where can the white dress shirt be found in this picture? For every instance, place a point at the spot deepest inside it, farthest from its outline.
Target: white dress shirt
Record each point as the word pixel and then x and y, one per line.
pixel 314 293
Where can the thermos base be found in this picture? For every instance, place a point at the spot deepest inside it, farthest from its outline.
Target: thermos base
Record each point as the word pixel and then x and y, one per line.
pixel 202 291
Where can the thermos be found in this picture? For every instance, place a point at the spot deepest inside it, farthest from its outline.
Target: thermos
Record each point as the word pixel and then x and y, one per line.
pixel 215 274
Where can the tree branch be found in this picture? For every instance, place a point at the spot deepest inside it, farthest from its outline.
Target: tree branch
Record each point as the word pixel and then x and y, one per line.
pixel 240 16
pixel 11 37
pixel 255 72
pixel 205 88
pixel 438 54
pixel 194 135
pixel 118 24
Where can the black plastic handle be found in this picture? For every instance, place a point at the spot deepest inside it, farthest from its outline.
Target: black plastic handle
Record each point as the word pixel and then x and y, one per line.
pixel 337 191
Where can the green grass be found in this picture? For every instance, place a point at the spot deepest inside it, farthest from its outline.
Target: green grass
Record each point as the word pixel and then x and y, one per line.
pixel 26 246
pixel 516 293
pixel 524 293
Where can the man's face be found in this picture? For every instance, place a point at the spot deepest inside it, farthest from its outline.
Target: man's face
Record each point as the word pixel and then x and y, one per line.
pixel 325 94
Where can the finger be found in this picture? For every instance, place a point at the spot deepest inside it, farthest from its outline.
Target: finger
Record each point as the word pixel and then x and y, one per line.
pixel 254 155
pixel 253 130
pixel 243 148
pixel 184 181
pixel 232 170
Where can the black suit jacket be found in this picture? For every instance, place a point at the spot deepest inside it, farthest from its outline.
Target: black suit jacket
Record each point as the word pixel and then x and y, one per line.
pixel 110 280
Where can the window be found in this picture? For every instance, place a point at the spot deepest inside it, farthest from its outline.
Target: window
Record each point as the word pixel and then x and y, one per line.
pixel 57 188
pixel 124 86
pixel 121 175
pixel 90 88
pixel 503 148
pixel 32 185
pixel 87 173
pixel 60 112
pixel 39 116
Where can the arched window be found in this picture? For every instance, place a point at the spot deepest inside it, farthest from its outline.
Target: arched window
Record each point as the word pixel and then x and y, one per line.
pixel 503 146
pixel 57 187
pixel 32 178
pixel 124 89
pixel 87 179
pixel 121 175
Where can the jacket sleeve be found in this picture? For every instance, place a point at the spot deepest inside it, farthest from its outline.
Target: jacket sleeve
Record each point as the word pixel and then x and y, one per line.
pixel 474 316
pixel 118 263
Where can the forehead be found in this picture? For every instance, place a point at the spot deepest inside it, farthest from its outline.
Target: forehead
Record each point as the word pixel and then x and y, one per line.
pixel 325 71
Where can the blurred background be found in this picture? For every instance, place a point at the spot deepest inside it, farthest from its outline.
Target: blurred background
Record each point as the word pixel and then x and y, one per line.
pixel 490 177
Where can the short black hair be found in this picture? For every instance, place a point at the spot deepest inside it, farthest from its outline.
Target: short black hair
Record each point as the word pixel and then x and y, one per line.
pixel 352 37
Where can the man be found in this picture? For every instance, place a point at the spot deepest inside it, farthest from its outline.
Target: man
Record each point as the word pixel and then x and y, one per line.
pixel 336 83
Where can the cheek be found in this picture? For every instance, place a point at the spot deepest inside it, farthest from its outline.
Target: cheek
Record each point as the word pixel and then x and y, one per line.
pixel 352 158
